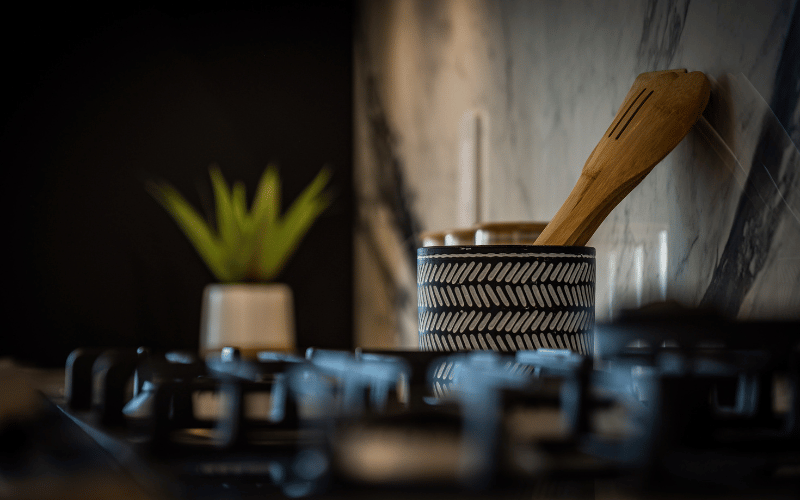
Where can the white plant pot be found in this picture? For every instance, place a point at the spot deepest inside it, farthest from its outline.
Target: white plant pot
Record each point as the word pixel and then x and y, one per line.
pixel 251 317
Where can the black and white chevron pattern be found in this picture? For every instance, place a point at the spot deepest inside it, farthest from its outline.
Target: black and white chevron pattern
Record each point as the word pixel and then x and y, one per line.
pixel 443 373
pixel 521 298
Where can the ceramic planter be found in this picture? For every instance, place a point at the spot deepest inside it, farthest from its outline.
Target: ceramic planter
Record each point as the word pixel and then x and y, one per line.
pixel 251 317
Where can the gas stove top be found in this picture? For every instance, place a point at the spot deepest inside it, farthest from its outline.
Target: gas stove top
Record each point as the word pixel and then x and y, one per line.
pixel 672 405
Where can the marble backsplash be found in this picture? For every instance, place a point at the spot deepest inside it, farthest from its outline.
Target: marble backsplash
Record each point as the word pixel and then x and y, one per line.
pixel 717 222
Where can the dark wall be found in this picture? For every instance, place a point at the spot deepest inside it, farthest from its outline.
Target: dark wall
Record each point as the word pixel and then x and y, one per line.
pixel 101 101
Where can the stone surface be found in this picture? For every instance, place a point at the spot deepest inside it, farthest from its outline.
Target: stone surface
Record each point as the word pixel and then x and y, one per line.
pixel 717 222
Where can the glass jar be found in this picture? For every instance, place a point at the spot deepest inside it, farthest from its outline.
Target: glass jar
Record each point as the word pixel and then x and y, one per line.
pixel 508 233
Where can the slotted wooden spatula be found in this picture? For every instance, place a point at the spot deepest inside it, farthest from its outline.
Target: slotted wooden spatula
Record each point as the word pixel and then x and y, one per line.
pixel 656 115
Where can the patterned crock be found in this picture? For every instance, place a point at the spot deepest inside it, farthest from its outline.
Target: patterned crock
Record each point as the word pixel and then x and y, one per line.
pixel 506 297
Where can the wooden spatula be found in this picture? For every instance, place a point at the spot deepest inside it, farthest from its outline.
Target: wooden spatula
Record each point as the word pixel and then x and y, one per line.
pixel 657 113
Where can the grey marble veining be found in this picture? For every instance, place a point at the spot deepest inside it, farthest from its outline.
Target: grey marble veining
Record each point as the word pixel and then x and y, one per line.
pixel 715 223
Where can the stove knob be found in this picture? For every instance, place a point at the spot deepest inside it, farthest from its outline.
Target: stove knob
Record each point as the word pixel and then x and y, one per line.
pixel 230 355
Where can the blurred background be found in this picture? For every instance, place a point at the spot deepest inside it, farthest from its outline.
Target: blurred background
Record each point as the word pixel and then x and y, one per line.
pixel 388 94
pixel 98 101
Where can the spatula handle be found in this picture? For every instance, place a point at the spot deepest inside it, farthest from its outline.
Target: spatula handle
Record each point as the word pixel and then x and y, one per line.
pixel 658 112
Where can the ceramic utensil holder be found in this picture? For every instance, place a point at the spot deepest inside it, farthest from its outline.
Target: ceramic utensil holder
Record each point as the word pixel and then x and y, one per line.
pixel 506 297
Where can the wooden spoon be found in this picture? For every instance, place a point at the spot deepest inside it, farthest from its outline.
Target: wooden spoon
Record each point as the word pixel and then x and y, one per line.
pixel 656 115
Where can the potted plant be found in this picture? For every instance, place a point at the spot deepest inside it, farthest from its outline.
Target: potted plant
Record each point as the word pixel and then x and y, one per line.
pixel 246 250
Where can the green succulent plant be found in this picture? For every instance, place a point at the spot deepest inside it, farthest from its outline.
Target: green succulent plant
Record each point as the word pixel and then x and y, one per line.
pixel 246 245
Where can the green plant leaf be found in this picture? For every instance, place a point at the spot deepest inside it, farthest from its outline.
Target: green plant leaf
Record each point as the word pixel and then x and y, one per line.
pixel 241 250
pixel 239 205
pixel 294 226
pixel 267 203
pixel 202 237
pixel 248 245
pixel 226 225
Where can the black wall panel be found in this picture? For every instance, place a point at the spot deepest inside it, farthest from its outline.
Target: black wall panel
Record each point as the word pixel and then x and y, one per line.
pixel 98 101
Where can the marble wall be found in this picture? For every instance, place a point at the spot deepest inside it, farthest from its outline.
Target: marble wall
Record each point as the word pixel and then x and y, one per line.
pixel 717 222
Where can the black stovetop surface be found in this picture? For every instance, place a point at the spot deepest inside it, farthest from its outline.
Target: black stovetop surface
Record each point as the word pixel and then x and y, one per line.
pixel 677 406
